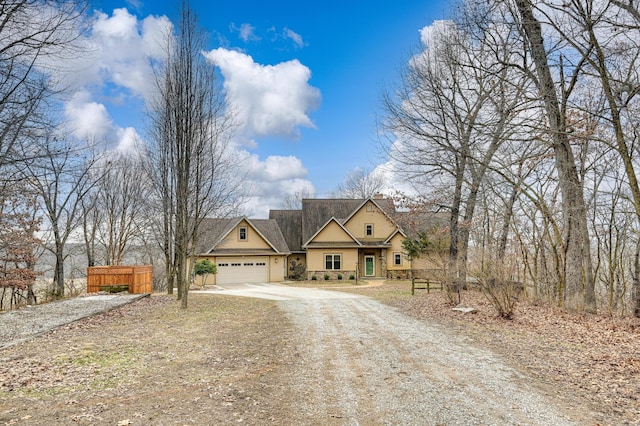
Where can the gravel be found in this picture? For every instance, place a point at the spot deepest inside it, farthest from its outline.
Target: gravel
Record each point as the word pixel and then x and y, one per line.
pixel 22 324
pixel 362 362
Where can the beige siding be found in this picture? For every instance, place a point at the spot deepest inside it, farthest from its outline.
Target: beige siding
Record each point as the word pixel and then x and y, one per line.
pixel 253 241
pixel 316 258
pixel 277 267
pixel 382 225
pixel 332 233
pixel 396 248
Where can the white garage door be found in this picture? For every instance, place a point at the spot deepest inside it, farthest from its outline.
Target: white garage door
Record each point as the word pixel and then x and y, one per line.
pixel 233 270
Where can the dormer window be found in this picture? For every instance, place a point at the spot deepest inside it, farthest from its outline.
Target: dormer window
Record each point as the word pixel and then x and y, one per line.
pixel 242 234
pixel 368 230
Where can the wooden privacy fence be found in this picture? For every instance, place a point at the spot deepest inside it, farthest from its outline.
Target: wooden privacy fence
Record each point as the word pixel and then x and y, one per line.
pixel 138 279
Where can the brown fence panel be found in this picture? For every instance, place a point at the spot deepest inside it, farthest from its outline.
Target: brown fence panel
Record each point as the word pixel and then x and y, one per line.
pixel 142 279
pixel 139 279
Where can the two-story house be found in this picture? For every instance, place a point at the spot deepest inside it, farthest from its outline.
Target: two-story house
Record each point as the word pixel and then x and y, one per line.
pixel 334 237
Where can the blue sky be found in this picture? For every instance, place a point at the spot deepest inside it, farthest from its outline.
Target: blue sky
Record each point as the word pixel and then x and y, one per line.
pixel 323 64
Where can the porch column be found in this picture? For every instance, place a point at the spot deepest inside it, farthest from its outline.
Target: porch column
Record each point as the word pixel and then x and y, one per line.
pixel 383 262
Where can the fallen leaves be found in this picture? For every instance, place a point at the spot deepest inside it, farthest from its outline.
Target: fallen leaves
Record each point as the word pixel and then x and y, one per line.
pixel 597 357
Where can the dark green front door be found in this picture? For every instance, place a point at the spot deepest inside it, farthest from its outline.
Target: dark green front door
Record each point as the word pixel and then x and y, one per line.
pixel 369 266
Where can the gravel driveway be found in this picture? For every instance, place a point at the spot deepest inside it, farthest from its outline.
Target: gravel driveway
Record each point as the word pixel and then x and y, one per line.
pixel 355 361
pixel 22 324
pixel 362 362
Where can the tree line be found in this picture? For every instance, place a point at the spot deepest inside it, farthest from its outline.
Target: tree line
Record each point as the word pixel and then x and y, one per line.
pixel 56 189
pixel 519 120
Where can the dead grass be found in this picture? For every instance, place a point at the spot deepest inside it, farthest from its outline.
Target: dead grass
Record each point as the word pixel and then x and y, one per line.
pixel 220 362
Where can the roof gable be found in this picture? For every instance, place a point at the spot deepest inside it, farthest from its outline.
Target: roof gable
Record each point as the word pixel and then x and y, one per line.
pixel 371 212
pixel 392 236
pixel 332 232
pixel 213 230
pixel 216 232
pixel 317 212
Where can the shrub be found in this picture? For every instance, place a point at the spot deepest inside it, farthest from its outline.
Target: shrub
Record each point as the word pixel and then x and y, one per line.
pixel 339 276
pixel 500 290
pixel 203 268
pixel 352 277
pixel 313 278
pixel 298 271
pixel 326 277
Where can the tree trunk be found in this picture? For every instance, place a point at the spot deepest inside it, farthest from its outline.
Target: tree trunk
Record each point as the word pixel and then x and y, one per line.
pixel 636 282
pixel 58 273
pixel 579 292
pixel 506 222
pixel 454 234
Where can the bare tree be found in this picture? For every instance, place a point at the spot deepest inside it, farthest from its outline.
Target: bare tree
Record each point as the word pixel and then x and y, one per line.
pixel 61 176
pixel 19 224
pixel 121 195
pixel 191 166
pixel 456 107
pixel 613 57
pixel 294 201
pixel 91 219
pixel 360 183
pixel 553 98
pixel 33 34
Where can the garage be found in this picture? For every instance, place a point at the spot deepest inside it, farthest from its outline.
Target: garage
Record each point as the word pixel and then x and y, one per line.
pixel 235 270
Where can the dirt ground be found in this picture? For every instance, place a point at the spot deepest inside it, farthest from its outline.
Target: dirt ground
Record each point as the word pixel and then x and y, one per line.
pixel 229 360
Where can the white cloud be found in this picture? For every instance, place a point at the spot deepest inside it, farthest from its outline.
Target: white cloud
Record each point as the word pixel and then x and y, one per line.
pixel 283 168
pixel 89 120
pixel 270 100
pixel 246 32
pixel 295 37
pixel 128 139
pixel 270 181
pixel 114 67
pixel 126 46
pixel 115 55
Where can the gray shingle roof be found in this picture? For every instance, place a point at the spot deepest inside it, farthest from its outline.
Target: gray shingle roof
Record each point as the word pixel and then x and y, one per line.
pixel 271 231
pixel 288 230
pixel 290 223
pixel 414 222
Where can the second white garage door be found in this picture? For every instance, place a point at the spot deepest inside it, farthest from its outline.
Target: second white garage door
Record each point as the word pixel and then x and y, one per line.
pixel 234 270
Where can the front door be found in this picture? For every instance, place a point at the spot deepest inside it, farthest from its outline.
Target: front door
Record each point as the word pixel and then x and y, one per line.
pixel 369 266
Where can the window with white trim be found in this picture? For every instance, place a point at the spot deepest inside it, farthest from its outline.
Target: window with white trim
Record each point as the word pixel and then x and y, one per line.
pixel 368 230
pixel 332 261
pixel 242 233
pixel 397 259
